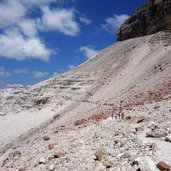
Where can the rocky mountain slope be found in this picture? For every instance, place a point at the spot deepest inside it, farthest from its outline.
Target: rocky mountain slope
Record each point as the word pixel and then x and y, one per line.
pixel 150 18
pixel 81 131
pixel 139 60
pixel 112 113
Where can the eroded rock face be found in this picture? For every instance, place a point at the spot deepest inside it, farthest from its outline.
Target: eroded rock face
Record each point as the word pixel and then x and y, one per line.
pixel 150 18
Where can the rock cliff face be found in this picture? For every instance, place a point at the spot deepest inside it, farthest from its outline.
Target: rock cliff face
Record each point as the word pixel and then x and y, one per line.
pixel 150 18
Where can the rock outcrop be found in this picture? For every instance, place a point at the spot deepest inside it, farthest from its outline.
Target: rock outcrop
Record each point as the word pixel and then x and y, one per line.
pixel 150 18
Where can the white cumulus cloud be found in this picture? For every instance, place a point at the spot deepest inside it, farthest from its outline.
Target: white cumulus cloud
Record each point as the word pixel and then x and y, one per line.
pixel 14 45
pixel 20 30
pixel 37 3
pixel 61 20
pixel 88 51
pixel 113 23
pixel 19 39
pixel 11 12
pixel 28 27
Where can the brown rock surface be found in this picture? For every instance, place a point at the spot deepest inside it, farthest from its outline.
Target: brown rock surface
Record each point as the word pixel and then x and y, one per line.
pixel 59 154
pixel 50 158
pixel 100 154
pixel 141 119
pixel 79 122
pixel 163 166
pixel 51 146
pixel 98 117
pixel 46 138
pixel 150 18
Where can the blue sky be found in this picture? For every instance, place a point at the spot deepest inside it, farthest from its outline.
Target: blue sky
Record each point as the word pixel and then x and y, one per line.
pixel 42 38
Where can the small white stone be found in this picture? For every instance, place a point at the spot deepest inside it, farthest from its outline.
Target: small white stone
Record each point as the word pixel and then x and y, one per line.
pixel 168 138
pixel 42 160
pixel 51 168
pixel 99 167
pixel 119 155
pixel 42 167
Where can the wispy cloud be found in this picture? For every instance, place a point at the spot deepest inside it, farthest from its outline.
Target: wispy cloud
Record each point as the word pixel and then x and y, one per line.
pixel 36 74
pixel 4 73
pixel 85 20
pixel 14 85
pixel 55 73
pixel 21 71
pixel 88 51
pixel 71 66
pixel 112 24
pixel 39 74
pixel 38 3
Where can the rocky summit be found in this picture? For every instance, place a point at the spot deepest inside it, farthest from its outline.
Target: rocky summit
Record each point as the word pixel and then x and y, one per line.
pixel 148 19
